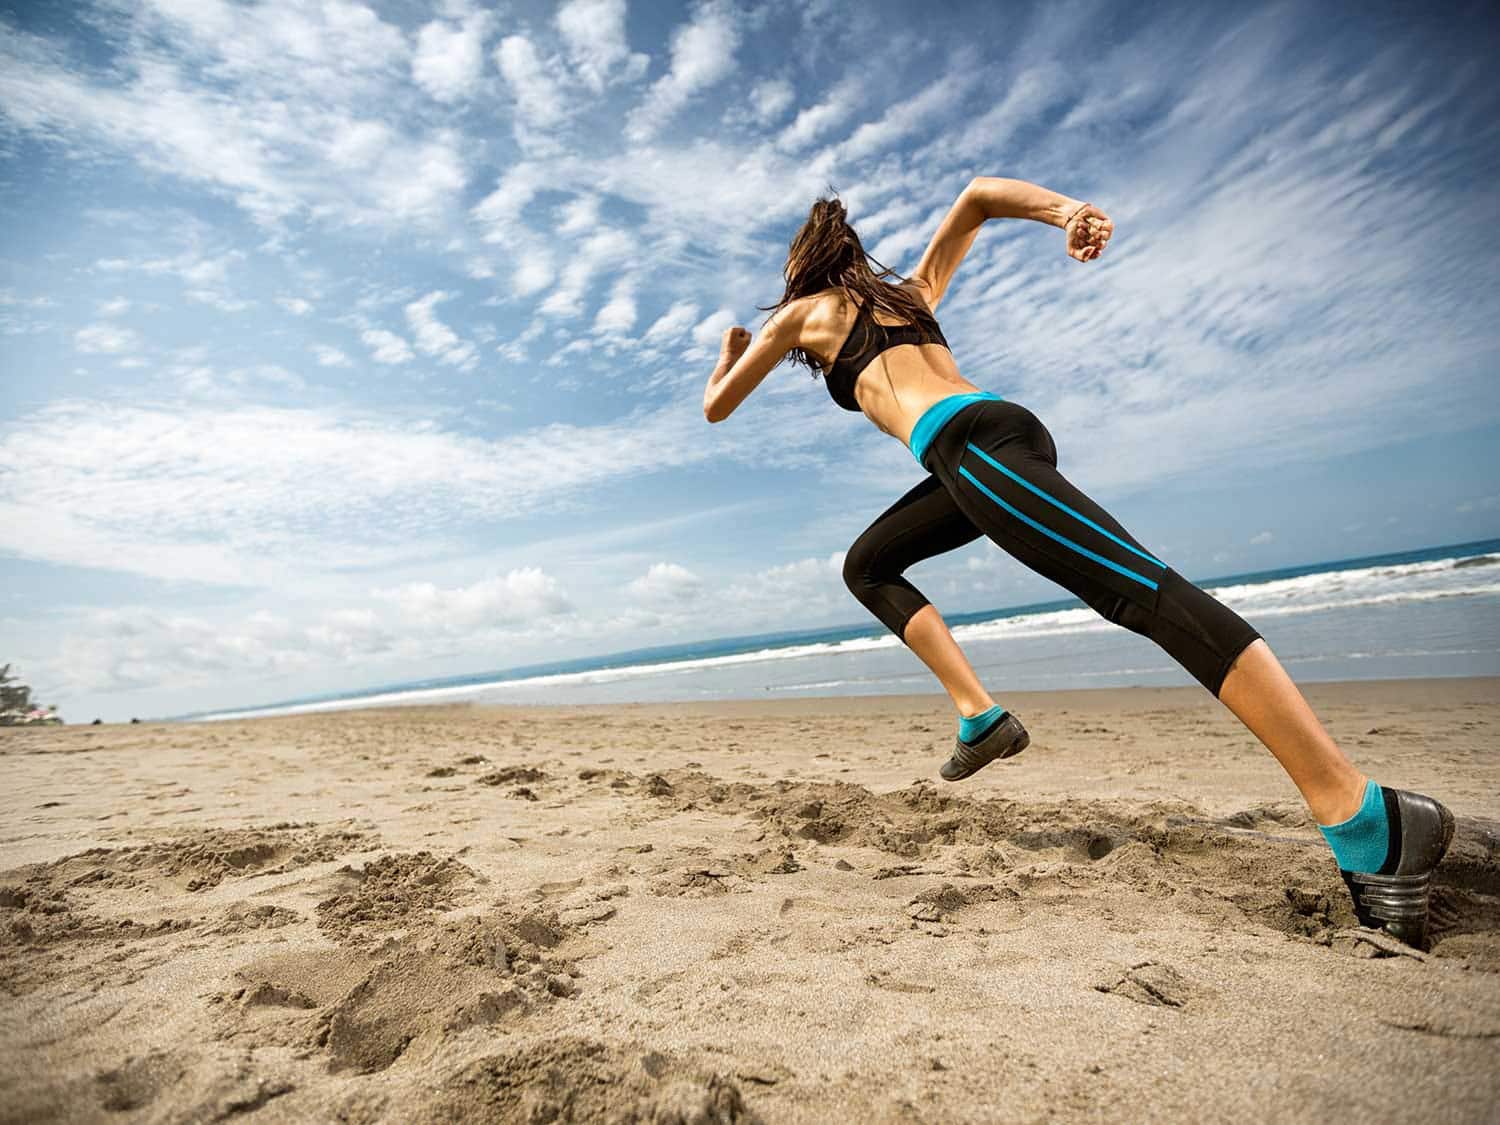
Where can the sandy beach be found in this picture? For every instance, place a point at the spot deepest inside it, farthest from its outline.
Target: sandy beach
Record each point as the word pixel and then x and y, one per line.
pixel 747 912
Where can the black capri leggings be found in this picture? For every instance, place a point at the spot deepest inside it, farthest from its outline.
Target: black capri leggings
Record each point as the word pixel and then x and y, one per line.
pixel 994 472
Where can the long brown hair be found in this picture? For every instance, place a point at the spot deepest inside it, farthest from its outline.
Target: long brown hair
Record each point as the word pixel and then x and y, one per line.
pixel 825 253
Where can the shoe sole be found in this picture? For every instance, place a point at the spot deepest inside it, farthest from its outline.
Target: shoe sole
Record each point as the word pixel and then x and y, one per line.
pixel 1398 904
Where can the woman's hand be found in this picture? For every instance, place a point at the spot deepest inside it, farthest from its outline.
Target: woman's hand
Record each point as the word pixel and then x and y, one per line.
pixel 736 340
pixel 1088 230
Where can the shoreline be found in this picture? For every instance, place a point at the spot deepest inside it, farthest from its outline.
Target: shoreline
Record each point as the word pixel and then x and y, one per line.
pixel 511 912
pixel 914 698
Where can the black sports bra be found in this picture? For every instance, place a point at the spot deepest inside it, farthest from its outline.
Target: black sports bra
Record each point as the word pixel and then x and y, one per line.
pixel 867 339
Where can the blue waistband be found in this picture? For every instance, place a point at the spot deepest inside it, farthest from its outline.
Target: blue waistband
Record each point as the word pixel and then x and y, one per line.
pixel 936 416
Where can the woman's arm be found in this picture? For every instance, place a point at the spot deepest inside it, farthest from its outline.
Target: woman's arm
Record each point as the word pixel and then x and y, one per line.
pixel 733 345
pixel 743 363
pixel 991 197
pixel 1087 227
pixel 1000 198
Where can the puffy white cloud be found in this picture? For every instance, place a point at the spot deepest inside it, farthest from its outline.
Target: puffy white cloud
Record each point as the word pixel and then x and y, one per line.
pixel 708 333
pixel 594 34
pixel 329 356
pixel 116 306
pixel 534 270
pixel 449 59
pixel 295 305
pixel 604 248
pixel 578 215
pixel 702 55
pixel 808 588
pixel 136 648
pixel 540 100
pixel 673 323
pixel 499 216
pixel 358 144
pixel 666 584
pixel 502 600
pixel 771 98
pixel 191 266
pixel 811 123
pixel 617 315
pixel 386 347
pixel 499 213
pixel 106 339
pixel 435 338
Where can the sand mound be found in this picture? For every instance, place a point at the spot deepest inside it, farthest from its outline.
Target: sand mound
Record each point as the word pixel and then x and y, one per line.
pixel 512 774
pixel 577 1080
pixel 391 892
pixel 409 997
pixel 1264 863
pixel 726 874
pixel 914 821
pixel 369 1009
pixel 194 861
pixel 243 917
pixel 186 1084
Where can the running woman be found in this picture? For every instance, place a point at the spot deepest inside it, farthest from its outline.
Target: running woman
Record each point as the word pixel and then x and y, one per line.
pixel 992 470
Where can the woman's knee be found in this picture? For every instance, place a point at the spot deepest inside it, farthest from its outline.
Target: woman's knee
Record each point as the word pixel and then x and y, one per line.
pixel 1190 625
pixel 861 573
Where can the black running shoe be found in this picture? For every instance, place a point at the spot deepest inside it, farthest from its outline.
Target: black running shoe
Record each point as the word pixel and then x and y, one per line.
pixel 1395 897
pixel 1003 740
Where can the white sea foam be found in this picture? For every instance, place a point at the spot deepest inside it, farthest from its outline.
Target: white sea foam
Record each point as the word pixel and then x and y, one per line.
pixel 1325 591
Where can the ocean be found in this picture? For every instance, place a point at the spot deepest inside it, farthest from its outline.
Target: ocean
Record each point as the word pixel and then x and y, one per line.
pixel 1428 612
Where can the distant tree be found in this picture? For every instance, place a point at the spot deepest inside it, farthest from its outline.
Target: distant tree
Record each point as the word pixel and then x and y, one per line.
pixel 15 698
pixel 16 706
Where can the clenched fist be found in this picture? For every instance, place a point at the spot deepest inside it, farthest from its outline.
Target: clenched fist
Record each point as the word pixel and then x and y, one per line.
pixel 736 340
pixel 1088 232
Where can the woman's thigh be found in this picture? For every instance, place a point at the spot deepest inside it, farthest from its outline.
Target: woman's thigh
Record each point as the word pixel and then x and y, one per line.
pixel 1014 493
pixel 926 521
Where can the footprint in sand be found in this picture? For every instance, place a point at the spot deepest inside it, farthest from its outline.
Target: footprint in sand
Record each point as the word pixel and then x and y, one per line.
pixel 1153 984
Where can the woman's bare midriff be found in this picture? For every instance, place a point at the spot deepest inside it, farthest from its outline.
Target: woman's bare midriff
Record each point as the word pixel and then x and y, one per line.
pixel 900 383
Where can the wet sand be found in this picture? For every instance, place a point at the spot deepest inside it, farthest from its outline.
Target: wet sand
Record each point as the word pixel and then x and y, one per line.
pixel 747 912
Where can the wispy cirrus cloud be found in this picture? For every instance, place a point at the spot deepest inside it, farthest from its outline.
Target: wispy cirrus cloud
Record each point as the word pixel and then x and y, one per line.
pixel 264 104
pixel 184 490
pixel 579 212
pixel 106 339
pixel 386 347
pixel 702 53
pixel 435 338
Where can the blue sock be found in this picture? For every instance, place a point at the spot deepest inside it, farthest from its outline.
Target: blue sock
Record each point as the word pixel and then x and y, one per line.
pixel 1360 843
pixel 972 730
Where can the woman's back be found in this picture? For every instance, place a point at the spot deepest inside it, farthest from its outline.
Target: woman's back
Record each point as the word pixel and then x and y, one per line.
pixel 901 382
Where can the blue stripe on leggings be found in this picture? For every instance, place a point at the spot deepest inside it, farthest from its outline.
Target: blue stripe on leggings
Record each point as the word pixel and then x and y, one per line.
pixel 1047 531
pixel 1053 500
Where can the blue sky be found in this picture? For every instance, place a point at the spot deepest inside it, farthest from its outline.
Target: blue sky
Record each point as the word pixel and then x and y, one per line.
pixel 347 343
